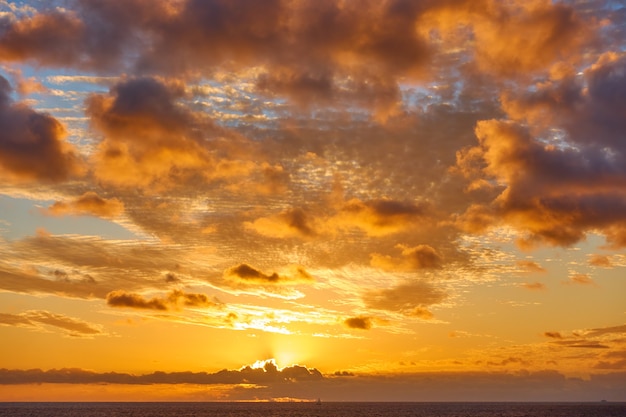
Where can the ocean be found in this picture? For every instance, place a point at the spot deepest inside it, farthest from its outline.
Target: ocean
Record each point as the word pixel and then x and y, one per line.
pixel 295 409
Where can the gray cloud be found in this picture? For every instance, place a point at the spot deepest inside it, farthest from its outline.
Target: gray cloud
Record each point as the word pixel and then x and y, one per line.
pixel 31 143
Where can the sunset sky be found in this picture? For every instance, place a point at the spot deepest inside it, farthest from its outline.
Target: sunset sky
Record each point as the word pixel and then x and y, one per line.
pixel 297 199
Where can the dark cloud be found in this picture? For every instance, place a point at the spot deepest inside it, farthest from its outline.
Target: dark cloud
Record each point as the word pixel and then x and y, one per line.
pixel 360 322
pixel 558 158
pixel 173 300
pixel 537 178
pixel 301 382
pixel 269 374
pixel 246 274
pixel 171 278
pixel 123 299
pixel 31 143
pixel 368 41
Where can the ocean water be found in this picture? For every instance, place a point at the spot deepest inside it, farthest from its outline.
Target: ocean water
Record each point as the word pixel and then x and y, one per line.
pixel 313 410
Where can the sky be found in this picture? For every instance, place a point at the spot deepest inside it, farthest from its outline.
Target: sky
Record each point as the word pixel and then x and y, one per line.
pixel 383 200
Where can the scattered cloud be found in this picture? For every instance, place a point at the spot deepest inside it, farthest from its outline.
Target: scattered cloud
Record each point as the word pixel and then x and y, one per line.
pixel 360 322
pixel 37 319
pixel 580 279
pixel 174 300
pixel 530 266
pixel 601 261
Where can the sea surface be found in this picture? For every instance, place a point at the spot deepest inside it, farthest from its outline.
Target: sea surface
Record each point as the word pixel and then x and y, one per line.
pixel 338 409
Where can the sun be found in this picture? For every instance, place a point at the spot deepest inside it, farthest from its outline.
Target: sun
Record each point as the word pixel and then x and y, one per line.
pixel 290 350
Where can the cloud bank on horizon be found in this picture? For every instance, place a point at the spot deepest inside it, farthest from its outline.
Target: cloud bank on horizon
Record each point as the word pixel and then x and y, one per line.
pixel 421 186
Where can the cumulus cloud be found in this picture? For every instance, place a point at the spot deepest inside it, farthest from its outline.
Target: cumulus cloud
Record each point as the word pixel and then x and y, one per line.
pixel 31 143
pixel 152 139
pixel 373 43
pixel 89 203
pixel 556 186
pixel 37 318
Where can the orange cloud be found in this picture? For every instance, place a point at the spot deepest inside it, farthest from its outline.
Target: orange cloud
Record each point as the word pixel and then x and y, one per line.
pixel 35 318
pixel 412 259
pixel 547 190
pixel 410 299
pixel 600 261
pixel 379 217
pixel 538 32
pixel 530 266
pixel 89 203
pixel 534 286
pixel 54 38
pixel 152 140
pixel 289 223
pixel 580 279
